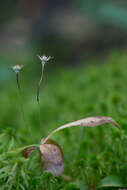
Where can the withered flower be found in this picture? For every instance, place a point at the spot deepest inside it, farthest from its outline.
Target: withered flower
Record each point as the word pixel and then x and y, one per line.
pixel 17 68
pixel 44 58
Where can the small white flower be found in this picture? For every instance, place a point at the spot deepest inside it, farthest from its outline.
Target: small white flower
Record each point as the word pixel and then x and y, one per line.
pixel 44 58
pixel 17 68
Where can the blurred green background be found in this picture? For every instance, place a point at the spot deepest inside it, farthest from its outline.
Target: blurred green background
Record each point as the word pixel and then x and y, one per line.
pixel 86 77
pixel 68 30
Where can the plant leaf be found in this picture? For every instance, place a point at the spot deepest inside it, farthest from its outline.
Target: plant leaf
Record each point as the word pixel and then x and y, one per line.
pixel 87 122
pixel 111 181
pixel 28 151
pixel 52 157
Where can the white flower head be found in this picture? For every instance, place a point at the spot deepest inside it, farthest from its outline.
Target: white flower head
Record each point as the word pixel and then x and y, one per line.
pixel 44 58
pixel 17 68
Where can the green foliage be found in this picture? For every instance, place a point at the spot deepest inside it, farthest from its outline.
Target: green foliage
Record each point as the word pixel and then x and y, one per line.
pixel 111 181
pixel 90 154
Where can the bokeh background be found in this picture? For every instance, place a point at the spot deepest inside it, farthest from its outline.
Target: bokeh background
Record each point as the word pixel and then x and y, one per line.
pixel 68 30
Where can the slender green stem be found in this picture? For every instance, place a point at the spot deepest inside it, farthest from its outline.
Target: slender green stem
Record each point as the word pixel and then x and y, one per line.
pixel 21 103
pixel 38 96
pixel 39 83
pixel 39 118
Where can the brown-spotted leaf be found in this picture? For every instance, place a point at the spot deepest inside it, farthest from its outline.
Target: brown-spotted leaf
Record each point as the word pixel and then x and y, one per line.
pixel 28 151
pixel 87 122
pixel 52 157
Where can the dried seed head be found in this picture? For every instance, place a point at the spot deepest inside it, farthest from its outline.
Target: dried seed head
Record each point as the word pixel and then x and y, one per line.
pixel 52 157
pixel 44 58
pixel 17 68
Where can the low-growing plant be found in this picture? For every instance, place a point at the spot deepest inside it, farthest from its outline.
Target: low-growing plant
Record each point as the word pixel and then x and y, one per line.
pixel 15 161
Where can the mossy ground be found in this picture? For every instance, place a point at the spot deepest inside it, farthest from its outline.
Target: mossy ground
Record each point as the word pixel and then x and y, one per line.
pixel 91 154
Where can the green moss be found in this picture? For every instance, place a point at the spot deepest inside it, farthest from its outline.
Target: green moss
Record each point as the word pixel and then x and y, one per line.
pixel 90 154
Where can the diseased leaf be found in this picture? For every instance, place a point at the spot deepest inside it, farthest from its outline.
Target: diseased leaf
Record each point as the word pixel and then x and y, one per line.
pixel 28 151
pixel 87 122
pixel 52 157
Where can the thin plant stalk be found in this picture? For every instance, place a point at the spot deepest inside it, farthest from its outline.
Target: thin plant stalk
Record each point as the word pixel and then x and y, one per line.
pixel 21 103
pixel 44 59
pixel 39 83
pixel 38 95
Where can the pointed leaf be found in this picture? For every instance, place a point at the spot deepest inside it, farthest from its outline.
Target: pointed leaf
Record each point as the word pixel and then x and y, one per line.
pixel 52 157
pixel 87 122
